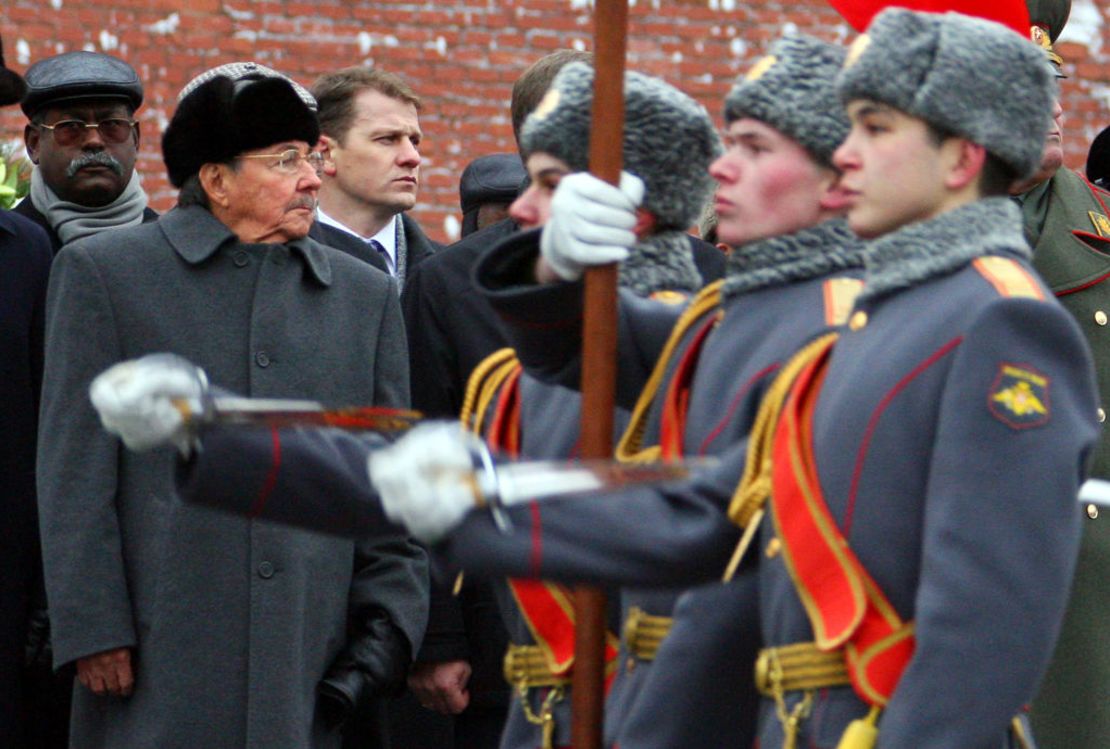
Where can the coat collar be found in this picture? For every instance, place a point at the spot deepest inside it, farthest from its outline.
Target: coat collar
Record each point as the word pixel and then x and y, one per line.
pixel 195 234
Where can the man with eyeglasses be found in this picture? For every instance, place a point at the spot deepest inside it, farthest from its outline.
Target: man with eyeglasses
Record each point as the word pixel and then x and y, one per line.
pixel 192 628
pixel 83 139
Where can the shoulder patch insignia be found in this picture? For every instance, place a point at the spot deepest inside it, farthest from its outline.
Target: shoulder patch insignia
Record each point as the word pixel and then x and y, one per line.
pixel 1008 277
pixel 840 297
pixel 1019 397
pixel 667 296
pixel 1101 223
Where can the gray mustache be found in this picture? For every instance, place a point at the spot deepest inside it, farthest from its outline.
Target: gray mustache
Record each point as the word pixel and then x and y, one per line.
pixel 302 202
pixel 94 158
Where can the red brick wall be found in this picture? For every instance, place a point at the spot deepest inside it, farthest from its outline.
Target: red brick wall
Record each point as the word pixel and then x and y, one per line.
pixel 462 58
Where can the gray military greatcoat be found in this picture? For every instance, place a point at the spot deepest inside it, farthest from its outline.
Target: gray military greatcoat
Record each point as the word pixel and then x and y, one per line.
pixel 233 620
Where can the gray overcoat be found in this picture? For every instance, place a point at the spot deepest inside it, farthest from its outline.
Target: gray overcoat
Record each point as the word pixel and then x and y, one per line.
pixel 233 621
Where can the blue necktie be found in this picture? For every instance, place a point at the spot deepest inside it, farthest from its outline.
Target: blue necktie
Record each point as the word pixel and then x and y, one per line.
pixel 380 249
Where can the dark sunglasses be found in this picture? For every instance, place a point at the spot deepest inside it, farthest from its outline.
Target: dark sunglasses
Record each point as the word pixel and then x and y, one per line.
pixel 70 132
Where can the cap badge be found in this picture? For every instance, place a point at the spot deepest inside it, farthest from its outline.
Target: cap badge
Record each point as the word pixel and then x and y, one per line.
pixel 859 46
pixel 760 68
pixel 548 104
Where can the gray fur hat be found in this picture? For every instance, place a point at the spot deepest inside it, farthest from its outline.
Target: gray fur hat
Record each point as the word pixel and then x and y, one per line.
pixel 967 76
pixel 793 90
pixel 669 139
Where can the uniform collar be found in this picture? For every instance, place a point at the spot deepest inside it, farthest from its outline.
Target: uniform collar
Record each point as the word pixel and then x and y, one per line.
pixel 943 244
pixel 195 234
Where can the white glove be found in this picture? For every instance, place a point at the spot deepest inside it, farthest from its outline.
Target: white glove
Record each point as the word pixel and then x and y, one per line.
pixel 424 479
pixel 135 400
pixel 591 223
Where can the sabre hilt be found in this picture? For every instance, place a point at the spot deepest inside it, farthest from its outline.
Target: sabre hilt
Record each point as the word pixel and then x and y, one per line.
pixel 488 486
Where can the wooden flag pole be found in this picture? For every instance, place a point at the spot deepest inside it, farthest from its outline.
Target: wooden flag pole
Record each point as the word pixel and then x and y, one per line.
pixel 599 359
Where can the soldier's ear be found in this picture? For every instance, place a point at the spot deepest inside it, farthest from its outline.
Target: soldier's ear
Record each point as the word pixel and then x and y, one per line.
pixel 962 162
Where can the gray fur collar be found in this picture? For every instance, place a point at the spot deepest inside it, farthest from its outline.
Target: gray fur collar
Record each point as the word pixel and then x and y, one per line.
pixel 809 253
pixel 943 244
pixel 661 262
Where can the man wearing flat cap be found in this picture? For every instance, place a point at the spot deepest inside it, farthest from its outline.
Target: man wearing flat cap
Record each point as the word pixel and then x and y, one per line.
pixel 488 185
pixel 83 139
pixel 190 628
pixel 1067 219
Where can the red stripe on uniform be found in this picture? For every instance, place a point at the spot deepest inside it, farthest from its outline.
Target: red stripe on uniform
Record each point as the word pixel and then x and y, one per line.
pixel 873 423
pixel 537 541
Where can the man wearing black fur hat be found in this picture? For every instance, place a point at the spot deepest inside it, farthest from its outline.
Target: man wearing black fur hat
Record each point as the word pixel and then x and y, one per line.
pixel 189 628
pixel 1067 220
pixel 83 139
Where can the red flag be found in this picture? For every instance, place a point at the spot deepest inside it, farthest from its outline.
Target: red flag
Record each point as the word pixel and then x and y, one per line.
pixel 1011 13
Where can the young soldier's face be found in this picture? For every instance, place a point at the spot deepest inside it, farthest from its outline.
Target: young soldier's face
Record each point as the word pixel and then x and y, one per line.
pixel 892 169
pixel 769 185
pixel 533 207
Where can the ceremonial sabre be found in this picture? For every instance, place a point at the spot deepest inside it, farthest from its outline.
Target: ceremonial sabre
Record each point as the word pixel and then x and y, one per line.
pixel 279 413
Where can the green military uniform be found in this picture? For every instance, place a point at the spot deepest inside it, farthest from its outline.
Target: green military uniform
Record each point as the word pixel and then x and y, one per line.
pixel 1068 223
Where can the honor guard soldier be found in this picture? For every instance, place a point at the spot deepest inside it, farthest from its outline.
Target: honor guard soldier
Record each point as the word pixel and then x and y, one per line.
pixel 520 416
pixel 1067 220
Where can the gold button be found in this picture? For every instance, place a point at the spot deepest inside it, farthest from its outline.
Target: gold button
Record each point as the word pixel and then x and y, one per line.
pixel 1092 511
pixel 774 546
pixel 1101 415
pixel 630 665
pixel 858 321
pixel 1100 317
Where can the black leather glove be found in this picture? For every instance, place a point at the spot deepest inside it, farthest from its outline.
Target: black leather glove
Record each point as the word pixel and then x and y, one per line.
pixel 374 663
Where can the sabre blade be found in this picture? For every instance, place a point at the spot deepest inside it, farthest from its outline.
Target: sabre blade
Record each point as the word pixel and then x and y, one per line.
pixel 280 412
pixel 523 481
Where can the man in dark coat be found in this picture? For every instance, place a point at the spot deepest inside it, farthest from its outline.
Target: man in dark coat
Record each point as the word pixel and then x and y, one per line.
pixel 25 256
pixel 197 629
pixel 1067 220
pixel 83 140
pixel 370 124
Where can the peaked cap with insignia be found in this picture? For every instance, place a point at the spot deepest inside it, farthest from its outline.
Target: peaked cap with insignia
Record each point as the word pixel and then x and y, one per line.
pixel 669 139
pixel 1047 19
pixel 959 74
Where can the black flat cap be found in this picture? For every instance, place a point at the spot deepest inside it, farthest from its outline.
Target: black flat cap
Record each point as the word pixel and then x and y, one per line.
pixel 491 179
pixel 80 75
pixel 12 86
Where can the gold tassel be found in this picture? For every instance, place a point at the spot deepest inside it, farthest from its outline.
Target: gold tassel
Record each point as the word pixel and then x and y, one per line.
pixel 862 733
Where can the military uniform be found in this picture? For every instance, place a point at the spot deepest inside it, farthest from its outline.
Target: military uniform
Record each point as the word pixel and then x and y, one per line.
pixel 794 286
pixel 1071 254
pixel 983 408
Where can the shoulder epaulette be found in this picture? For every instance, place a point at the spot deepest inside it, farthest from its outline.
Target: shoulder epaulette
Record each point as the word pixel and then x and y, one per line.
pixel 840 297
pixel 486 379
pixel 630 448
pixel 1008 277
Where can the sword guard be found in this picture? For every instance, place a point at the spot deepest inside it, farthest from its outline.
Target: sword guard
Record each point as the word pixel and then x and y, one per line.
pixel 490 487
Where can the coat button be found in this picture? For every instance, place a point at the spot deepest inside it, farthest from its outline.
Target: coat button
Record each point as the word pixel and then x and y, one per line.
pixel 265 570
pixel 241 259
pixel 1100 317
pixel 1092 511
pixel 630 665
pixel 1101 415
pixel 774 546
pixel 858 320
pixel 262 359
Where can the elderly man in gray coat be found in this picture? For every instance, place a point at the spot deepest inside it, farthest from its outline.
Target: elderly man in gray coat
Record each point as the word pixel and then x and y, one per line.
pixel 190 628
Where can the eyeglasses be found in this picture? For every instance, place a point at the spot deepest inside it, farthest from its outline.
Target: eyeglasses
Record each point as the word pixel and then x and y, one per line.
pixel 289 162
pixel 71 132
